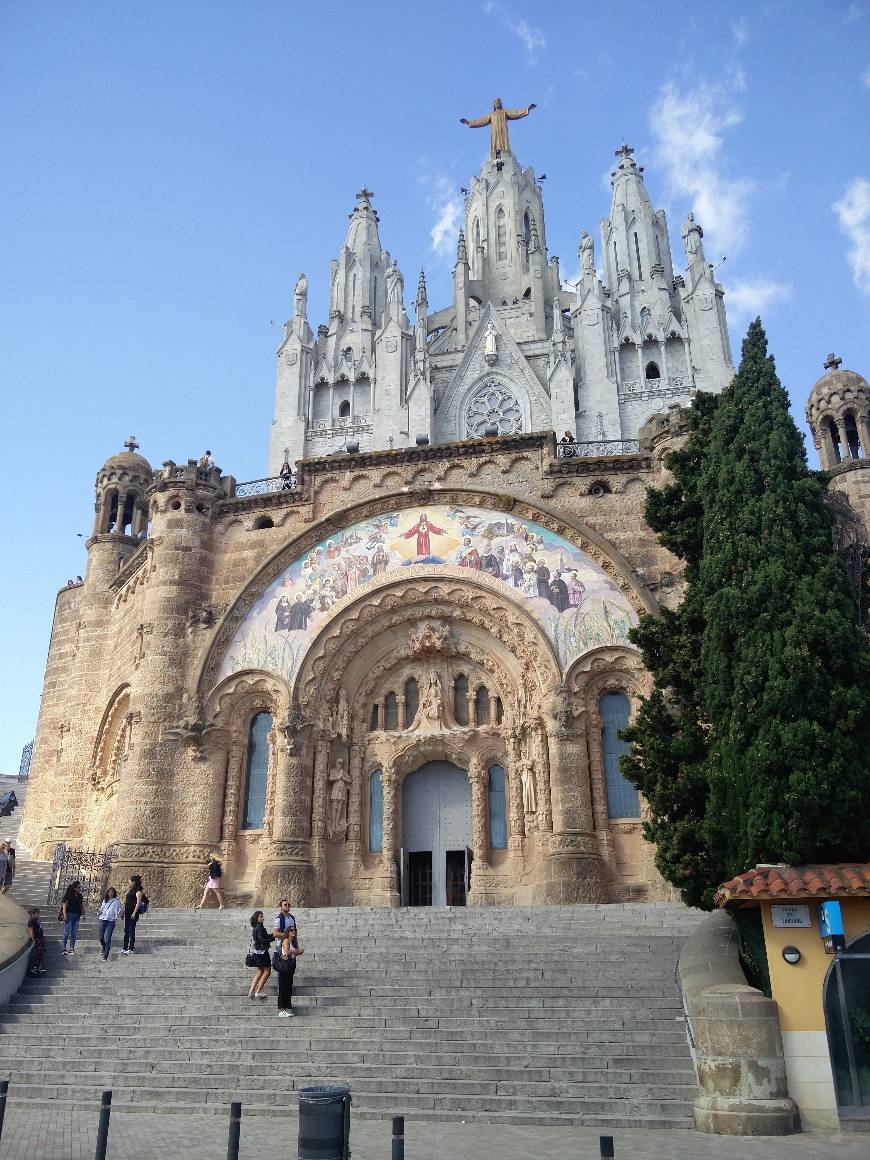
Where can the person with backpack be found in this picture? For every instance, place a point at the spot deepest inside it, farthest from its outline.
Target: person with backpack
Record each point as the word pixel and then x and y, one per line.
pixel 286 969
pixel 135 904
pixel 215 873
pixel 258 955
pixel 110 909
pixel 37 938
pixel 72 908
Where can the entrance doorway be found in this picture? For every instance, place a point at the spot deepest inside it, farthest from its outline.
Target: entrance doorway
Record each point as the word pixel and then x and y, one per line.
pixel 847 1015
pixel 436 835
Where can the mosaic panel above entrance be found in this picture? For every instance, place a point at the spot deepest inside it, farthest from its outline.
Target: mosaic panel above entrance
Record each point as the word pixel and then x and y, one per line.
pixel 575 601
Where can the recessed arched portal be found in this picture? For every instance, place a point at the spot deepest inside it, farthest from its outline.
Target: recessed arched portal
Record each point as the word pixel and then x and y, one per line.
pixel 436 835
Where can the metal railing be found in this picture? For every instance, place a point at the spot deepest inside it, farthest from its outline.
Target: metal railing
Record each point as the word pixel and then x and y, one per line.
pixel 266 486
pixel 599 447
pixel 26 758
pixel 90 868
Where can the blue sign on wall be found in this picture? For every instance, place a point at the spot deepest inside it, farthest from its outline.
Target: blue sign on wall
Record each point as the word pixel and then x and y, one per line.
pixel 831 927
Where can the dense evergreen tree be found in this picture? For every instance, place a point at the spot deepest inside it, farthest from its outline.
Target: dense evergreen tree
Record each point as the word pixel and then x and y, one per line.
pixel 755 746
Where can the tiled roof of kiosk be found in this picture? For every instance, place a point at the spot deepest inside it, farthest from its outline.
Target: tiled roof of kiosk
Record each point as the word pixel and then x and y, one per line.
pixel 766 882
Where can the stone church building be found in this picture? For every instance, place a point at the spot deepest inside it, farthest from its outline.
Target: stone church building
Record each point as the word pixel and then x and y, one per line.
pixel 393 672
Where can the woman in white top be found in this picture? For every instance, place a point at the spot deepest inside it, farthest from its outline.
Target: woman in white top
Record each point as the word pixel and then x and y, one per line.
pixel 110 909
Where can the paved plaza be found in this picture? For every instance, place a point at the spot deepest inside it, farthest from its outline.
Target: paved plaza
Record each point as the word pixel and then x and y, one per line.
pixel 45 1133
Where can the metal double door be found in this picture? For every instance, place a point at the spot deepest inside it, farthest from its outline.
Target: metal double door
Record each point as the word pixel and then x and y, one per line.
pixel 436 819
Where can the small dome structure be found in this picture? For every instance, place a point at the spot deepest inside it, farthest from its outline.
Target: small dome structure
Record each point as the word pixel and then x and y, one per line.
pixel 121 507
pixel 838 415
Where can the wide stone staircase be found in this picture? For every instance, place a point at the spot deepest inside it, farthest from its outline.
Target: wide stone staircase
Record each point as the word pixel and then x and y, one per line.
pixel 523 1015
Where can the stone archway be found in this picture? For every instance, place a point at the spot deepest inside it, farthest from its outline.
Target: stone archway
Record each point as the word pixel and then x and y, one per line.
pixel 436 835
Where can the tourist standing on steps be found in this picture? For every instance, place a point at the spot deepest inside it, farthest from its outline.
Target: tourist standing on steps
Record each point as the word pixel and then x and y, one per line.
pixel 4 862
pixel 132 903
pixel 281 923
pixel 215 873
pixel 37 938
pixel 258 955
pixel 72 908
pixel 110 909
pixel 286 960
pixel 9 872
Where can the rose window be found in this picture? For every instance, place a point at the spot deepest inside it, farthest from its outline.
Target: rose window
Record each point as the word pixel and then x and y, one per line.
pixel 493 404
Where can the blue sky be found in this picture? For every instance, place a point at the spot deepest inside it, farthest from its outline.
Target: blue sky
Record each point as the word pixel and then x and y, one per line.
pixel 170 167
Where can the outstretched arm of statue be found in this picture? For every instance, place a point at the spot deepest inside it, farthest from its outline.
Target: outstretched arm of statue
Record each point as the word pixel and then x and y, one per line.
pixel 477 122
pixel 515 114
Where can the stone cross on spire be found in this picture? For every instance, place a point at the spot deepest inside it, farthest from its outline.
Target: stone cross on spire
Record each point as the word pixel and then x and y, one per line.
pixel 624 151
pixel 365 195
pixel 832 363
pixel 131 444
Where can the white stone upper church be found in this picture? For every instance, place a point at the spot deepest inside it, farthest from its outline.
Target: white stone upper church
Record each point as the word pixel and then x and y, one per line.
pixel 515 351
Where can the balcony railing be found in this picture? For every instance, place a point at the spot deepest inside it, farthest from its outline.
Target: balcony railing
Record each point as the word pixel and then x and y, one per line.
pixel 597 448
pixel 346 425
pixel 266 486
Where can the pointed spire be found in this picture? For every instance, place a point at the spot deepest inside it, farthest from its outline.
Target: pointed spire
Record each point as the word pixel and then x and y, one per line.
pixel 534 241
pixel 422 299
pixel 626 164
pixel 461 252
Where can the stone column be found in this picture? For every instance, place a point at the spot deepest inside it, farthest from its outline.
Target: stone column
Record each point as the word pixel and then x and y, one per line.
pixel 477 775
pixel 385 890
pixel 287 870
pixel 863 426
pixel 576 873
pixel 845 454
pixel 515 789
pixel 319 808
pixel 354 807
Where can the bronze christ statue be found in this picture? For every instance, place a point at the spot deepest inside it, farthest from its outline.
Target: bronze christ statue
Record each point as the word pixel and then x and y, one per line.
pixel 498 119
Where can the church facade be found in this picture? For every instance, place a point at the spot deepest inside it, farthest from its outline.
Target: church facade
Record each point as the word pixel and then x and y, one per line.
pixel 394 671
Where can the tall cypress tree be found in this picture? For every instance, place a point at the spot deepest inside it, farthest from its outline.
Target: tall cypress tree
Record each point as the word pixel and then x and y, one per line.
pixel 755 746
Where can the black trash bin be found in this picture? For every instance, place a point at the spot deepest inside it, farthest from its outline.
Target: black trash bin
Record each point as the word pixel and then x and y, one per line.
pixel 324 1123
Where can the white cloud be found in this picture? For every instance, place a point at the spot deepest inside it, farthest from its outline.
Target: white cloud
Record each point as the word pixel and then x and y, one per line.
pixel 689 125
pixel 746 298
pixel 853 214
pixel 443 198
pixel 865 78
pixel 857 10
pixel 740 31
pixel 531 38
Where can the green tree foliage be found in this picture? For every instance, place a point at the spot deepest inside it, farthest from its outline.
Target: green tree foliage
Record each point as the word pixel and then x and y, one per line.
pixel 755 745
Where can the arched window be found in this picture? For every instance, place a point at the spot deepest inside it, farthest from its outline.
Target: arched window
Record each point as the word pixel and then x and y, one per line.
pixel 126 519
pixel 344 409
pixel 376 812
pixel 412 701
pixel 391 712
pixel 256 772
pixel 375 296
pixel 460 700
pixel 499 711
pixel 853 441
pixel 111 512
pixel 475 234
pixel 353 297
pixel 652 371
pixel 527 228
pixel 500 236
pixel 622 799
pixel 497 809
pixel 835 439
pixel 373 719
pixel 658 247
pixel 481 705
pixel 637 255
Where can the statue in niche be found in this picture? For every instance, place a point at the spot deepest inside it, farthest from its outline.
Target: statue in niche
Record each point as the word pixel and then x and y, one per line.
pixel 527 780
pixel 342 716
pixel 586 253
pixel 395 286
pixel 432 705
pixel 490 347
pixel 300 297
pixel 339 780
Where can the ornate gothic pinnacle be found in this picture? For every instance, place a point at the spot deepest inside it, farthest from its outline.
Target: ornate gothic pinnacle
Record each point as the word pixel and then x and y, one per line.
pixel 422 300
pixel 461 252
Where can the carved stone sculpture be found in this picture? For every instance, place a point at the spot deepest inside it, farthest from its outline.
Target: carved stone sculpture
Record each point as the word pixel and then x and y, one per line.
pixel 339 780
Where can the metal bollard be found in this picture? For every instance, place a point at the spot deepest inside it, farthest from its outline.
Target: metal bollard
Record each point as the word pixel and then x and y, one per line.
pixel 103 1129
pixel 235 1130
pixel 4 1091
pixel 398 1152
pixel 605 1143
